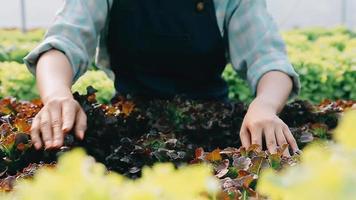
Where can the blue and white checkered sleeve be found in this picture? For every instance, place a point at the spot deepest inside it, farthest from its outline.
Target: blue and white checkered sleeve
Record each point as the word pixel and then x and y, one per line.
pixel 75 33
pixel 255 44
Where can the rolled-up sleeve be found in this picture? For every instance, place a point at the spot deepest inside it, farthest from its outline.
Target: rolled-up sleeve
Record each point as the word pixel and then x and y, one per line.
pixel 255 44
pixel 74 32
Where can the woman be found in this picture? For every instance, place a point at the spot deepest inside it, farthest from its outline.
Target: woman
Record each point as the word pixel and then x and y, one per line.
pixel 162 48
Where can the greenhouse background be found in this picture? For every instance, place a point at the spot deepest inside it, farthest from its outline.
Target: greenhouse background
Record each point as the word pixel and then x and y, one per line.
pixel 287 13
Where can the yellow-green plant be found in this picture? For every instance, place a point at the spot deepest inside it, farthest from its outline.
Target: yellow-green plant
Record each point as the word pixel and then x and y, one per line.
pixel 17 81
pixel 100 81
pixel 78 177
pixel 325 60
pixel 326 171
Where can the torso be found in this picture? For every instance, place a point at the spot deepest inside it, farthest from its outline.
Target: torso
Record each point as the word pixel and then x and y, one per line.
pixel 165 48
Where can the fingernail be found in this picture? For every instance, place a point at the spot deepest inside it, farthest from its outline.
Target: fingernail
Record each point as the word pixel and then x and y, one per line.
pixel 37 146
pixel 48 144
pixel 81 135
pixel 57 143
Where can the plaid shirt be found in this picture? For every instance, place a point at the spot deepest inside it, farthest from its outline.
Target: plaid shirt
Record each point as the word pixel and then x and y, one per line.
pixel 254 44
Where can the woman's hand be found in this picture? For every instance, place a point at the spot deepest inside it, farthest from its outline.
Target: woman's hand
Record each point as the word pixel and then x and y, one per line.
pixel 60 112
pixel 58 116
pixel 262 120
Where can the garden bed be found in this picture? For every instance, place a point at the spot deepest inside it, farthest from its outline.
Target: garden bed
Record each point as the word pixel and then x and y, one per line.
pixel 132 133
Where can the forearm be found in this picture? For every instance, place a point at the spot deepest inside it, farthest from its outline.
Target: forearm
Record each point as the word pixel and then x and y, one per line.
pixel 54 75
pixel 274 89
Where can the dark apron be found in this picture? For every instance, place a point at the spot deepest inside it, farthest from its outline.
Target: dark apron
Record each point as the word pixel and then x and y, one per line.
pixel 164 48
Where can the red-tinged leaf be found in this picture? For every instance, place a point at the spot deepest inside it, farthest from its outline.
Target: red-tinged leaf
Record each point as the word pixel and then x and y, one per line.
pixel 6 107
pixel 199 153
pixel 248 180
pixel 214 156
pixel 243 173
pixel 22 125
pixel 5 129
pixel 337 106
pixel 111 110
pixel 9 141
pixel 241 163
pixel 199 156
pixel 325 103
pixel 256 165
pixel 222 169
pixel 254 148
pixel 37 102
pixel 345 104
pixel 26 110
pixel 127 108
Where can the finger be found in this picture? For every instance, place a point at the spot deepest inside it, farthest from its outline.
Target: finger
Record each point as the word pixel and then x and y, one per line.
pixel 81 124
pixel 281 141
pixel 56 123
pixel 69 111
pixel 35 132
pixel 256 136
pixel 290 139
pixel 245 137
pixel 270 139
pixel 46 129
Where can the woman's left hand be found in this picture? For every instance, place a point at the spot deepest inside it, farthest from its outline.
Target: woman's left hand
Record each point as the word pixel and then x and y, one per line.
pixel 262 120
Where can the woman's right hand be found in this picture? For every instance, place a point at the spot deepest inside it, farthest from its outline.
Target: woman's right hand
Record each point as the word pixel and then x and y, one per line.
pixel 58 116
pixel 61 112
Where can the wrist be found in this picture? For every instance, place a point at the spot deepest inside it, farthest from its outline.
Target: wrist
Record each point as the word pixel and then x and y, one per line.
pixel 57 93
pixel 266 104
